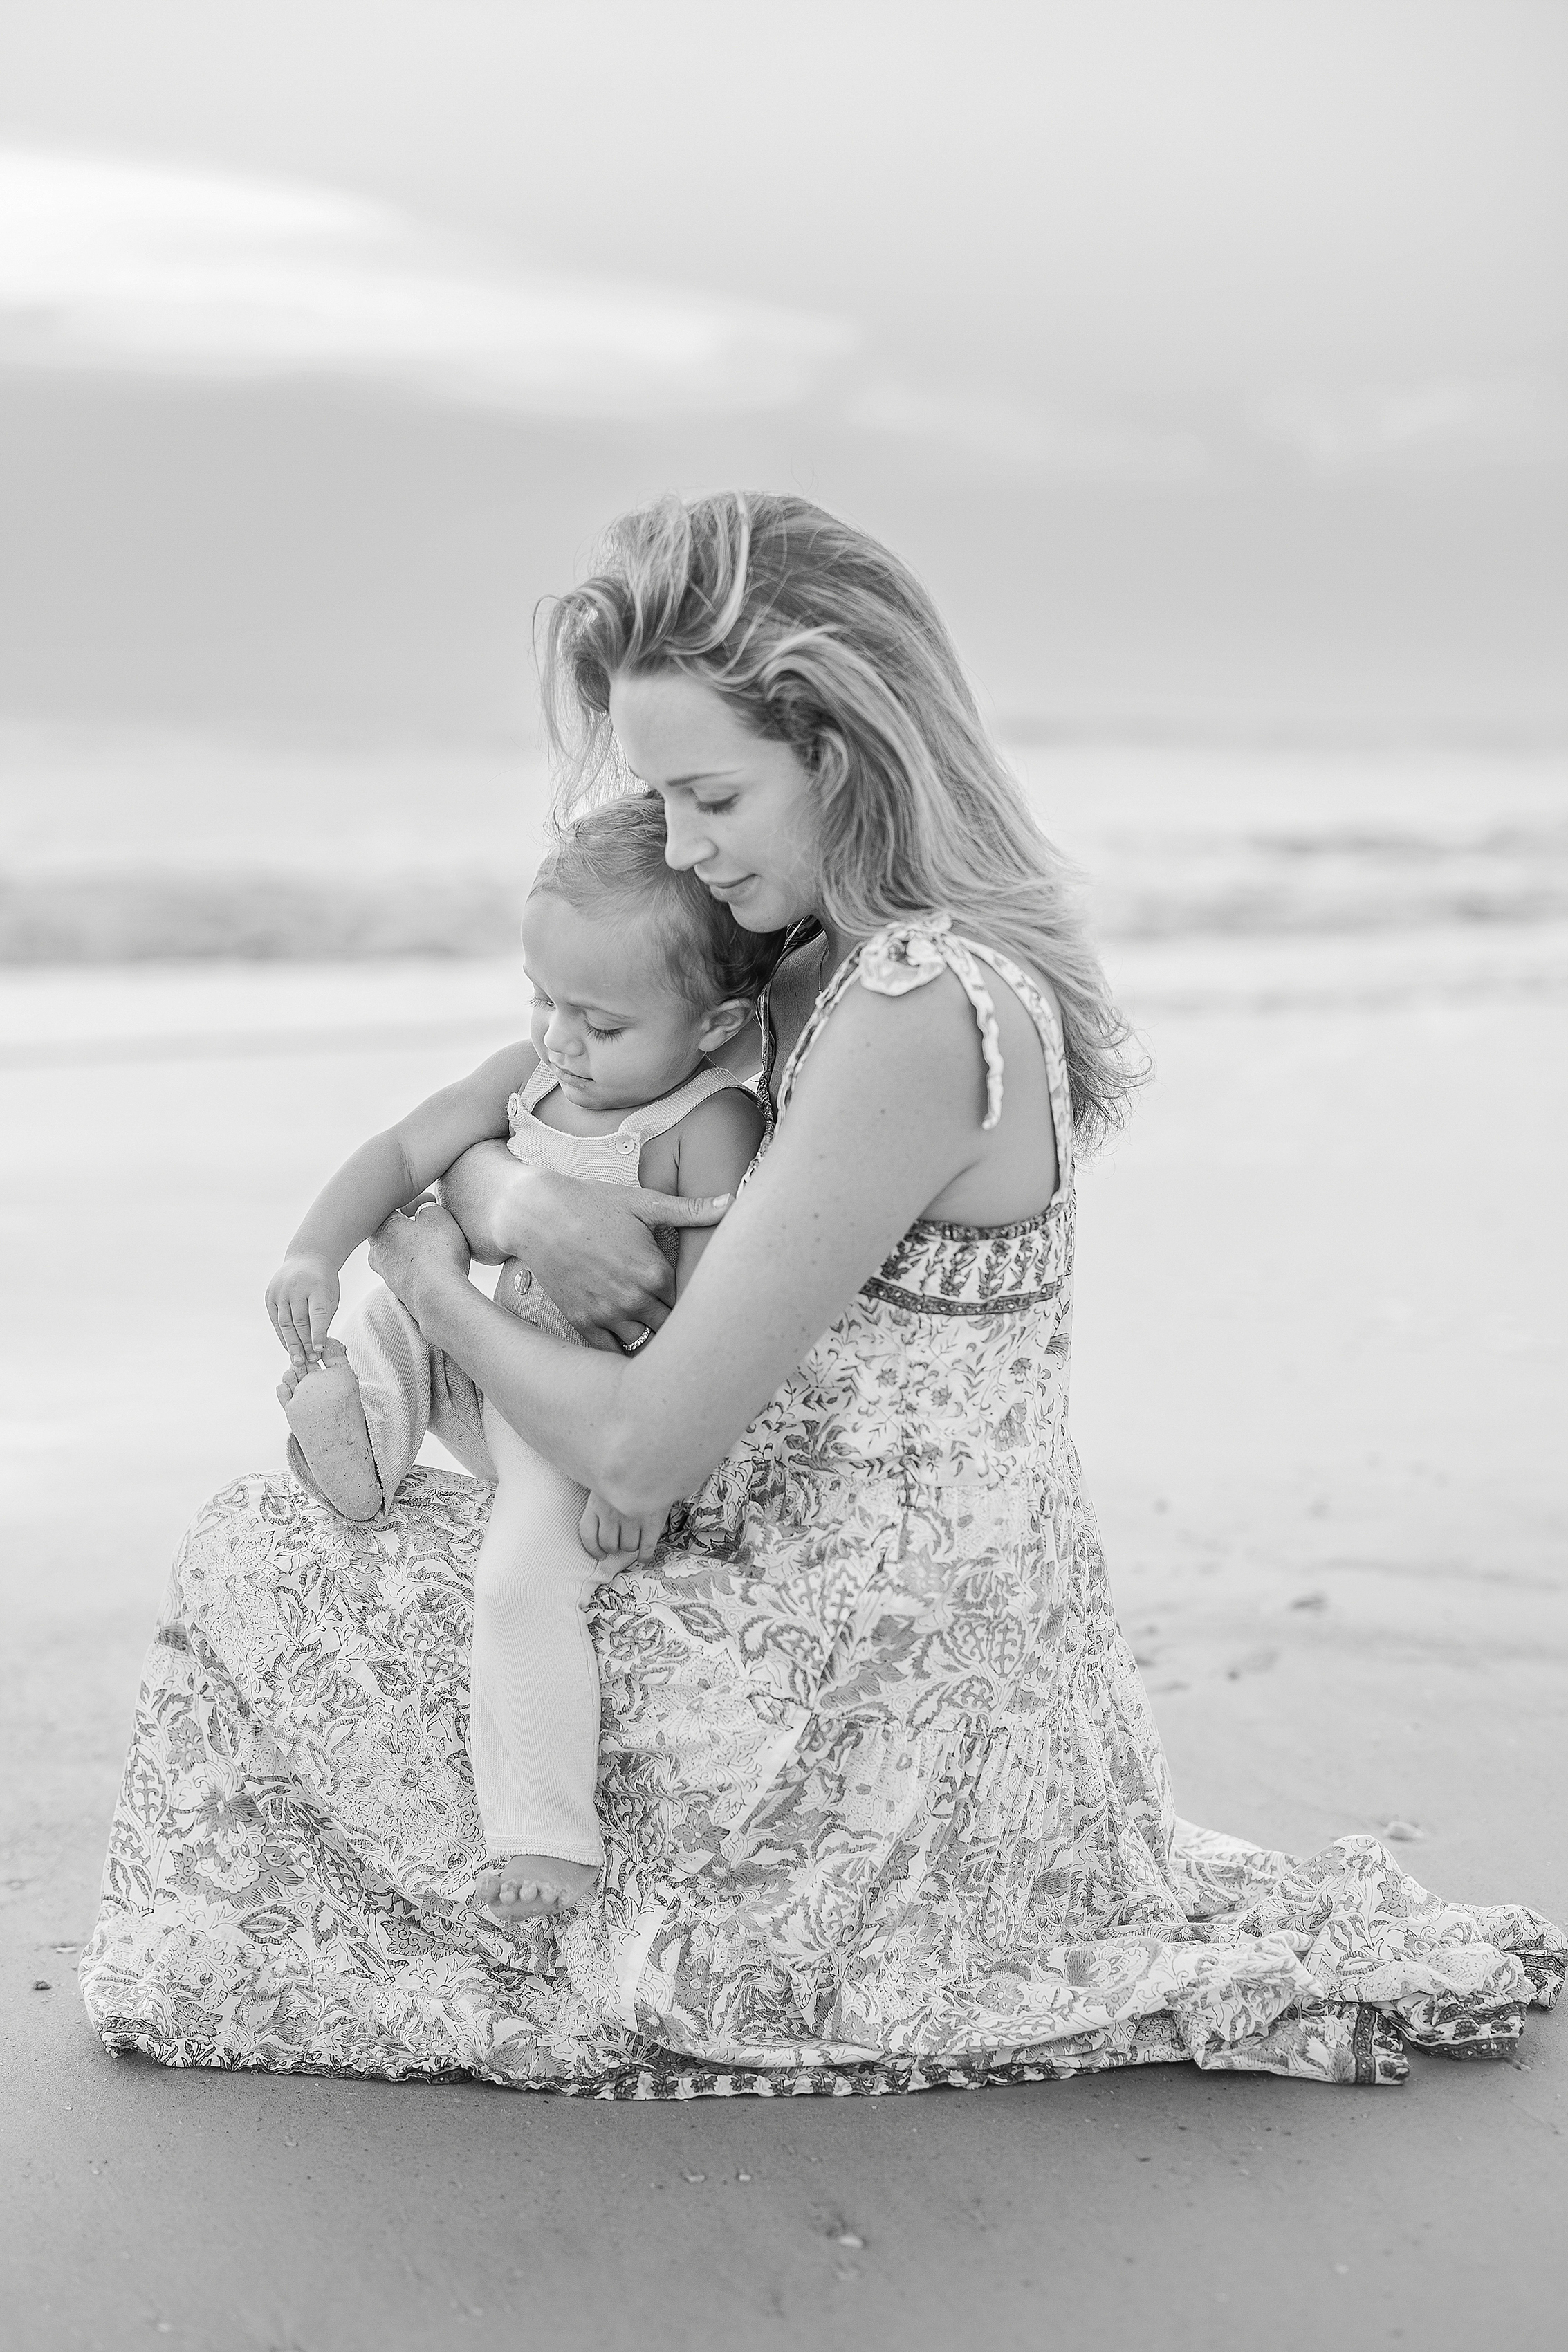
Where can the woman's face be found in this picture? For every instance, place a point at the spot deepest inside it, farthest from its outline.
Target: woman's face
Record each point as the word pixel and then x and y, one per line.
pixel 738 809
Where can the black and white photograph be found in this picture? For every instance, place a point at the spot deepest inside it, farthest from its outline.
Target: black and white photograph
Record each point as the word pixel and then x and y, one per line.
pixel 784 1046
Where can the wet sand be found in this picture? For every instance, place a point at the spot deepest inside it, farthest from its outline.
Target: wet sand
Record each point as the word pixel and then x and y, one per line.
pixel 1320 1387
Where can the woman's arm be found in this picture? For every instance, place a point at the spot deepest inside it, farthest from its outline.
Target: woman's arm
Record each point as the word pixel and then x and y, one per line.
pixel 885 1117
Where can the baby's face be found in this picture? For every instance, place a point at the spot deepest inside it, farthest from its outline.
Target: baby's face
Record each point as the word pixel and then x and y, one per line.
pixel 605 1015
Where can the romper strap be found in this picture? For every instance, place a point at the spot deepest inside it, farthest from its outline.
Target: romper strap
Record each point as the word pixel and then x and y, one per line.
pixel 656 1118
pixel 543 1082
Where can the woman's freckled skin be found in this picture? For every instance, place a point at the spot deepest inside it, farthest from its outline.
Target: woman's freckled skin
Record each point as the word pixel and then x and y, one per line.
pixel 739 808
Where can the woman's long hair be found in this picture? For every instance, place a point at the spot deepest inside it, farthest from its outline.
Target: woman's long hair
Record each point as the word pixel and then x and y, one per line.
pixel 823 640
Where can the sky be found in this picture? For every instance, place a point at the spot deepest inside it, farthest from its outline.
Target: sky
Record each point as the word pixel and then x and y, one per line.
pixel 1210 361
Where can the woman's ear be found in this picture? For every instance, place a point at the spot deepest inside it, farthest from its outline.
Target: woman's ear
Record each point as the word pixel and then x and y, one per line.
pixel 830 761
pixel 724 1021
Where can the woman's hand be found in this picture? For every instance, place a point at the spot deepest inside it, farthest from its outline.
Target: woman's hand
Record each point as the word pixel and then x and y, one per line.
pixel 595 1252
pixel 411 1254
pixel 591 1245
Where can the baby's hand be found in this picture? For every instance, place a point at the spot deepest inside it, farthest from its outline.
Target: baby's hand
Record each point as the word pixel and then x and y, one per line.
pixel 606 1533
pixel 302 1298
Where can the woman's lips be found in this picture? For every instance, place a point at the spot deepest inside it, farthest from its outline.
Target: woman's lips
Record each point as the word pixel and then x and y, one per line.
pixel 729 889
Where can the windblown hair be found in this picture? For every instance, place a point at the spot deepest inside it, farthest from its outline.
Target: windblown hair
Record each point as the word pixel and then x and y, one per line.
pixel 612 857
pixel 820 638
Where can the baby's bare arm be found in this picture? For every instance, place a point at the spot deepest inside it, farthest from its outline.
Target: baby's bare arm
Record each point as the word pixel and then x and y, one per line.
pixel 715 1145
pixel 380 1176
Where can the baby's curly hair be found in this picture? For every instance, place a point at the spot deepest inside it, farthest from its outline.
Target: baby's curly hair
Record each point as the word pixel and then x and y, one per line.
pixel 614 855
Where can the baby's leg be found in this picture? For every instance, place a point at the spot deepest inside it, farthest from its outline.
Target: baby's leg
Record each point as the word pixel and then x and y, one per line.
pixel 533 1731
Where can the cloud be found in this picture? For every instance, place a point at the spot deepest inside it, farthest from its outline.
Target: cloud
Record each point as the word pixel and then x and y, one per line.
pixel 1445 421
pixel 1017 436
pixel 111 266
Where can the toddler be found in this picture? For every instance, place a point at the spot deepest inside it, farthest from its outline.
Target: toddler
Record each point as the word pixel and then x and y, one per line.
pixel 638 973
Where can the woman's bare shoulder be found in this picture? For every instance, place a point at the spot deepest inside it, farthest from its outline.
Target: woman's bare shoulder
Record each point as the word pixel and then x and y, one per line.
pixel 890 1040
pixel 925 1058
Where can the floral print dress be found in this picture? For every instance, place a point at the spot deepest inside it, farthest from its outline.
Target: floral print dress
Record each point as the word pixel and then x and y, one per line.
pixel 883 1802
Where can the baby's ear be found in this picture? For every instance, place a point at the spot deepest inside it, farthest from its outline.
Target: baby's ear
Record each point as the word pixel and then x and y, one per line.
pixel 724 1021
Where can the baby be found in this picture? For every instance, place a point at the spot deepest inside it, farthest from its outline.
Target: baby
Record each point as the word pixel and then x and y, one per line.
pixel 638 974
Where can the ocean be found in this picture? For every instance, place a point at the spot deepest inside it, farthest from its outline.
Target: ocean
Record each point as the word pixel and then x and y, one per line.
pixel 130 847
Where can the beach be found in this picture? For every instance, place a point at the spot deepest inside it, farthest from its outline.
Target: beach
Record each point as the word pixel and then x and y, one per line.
pixel 1205 368
pixel 1319 1377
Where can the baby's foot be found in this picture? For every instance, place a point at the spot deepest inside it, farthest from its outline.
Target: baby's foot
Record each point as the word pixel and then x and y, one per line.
pixel 322 1408
pixel 533 1887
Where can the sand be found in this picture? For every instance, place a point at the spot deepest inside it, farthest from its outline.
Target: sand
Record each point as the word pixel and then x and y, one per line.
pixel 1320 1387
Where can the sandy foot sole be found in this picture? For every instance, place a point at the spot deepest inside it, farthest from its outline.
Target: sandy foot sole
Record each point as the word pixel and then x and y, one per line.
pixel 322 1408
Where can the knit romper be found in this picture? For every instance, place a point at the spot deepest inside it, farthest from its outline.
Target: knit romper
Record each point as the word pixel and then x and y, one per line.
pixel 533 1726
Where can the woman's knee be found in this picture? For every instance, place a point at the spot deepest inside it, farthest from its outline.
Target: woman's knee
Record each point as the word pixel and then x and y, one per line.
pixel 225 1544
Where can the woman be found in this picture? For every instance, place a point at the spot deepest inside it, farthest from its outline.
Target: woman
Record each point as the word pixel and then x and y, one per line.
pixel 882 1799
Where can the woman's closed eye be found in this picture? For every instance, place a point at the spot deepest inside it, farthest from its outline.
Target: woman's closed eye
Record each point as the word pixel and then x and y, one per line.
pixel 714 808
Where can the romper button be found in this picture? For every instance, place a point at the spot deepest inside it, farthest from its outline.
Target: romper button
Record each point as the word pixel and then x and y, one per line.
pixel 522 1282
pixel 630 1144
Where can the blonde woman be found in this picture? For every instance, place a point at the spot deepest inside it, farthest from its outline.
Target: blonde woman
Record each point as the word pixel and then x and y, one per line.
pixel 879 1784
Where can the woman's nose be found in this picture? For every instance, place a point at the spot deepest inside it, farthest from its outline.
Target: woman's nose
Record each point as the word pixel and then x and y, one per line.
pixel 687 841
